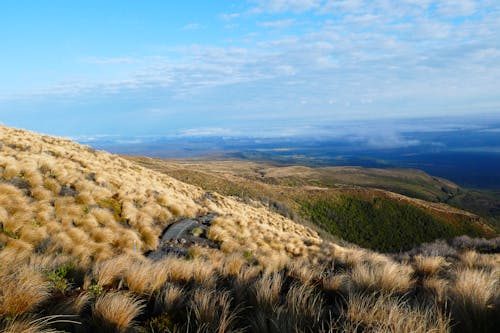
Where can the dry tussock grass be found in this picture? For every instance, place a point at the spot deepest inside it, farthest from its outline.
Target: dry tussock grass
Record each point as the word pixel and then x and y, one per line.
pixel 171 298
pixel 109 272
pixel 389 277
pixel 212 311
pixel 387 313
pixel 73 187
pixel 65 204
pixel 267 291
pixel 145 277
pixel 475 295
pixel 437 288
pixel 115 311
pixel 34 325
pixel 429 266
pixel 21 290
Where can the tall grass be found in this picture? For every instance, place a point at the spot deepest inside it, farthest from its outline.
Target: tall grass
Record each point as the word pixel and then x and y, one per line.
pixel 22 290
pixel 115 311
pixel 475 298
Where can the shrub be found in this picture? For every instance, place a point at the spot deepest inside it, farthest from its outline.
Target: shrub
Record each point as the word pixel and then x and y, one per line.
pixel 59 277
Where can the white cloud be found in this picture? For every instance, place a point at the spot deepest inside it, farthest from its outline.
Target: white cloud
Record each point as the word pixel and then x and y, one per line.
pixel 343 5
pixel 207 131
pixel 369 56
pixel 278 24
pixel 192 26
pixel 453 8
pixel 108 60
pixel 296 6
pixel 230 16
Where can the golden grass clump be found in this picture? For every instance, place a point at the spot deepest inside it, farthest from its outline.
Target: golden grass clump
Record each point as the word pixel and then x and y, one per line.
pixel 103 235
pixel 475 295
pixel 304 302
pixel 233 265
pixel 33 177
pixel 303 271
pixel 116 310
pixel 336 283
pixel 389 277
pixel 41 193
pixel 386 313
pixel 145 277
pixel 267 290
pixel 52 185
pixel 109 272
pixel 170 298
pixel 203 272
pixel 33 234
pixel 127 241
pixel 437 288
pixel 212 311
pixel 149 237
pixel 31 326
pixel 11 169
pixel 179 270
pixel 429 266
pixel 21 290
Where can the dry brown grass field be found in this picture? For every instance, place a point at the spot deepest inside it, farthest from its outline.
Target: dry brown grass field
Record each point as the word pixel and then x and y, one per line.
pixel 75 225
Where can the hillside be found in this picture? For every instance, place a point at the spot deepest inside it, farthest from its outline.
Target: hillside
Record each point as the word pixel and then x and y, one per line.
pixel 90 241
pixel 351 203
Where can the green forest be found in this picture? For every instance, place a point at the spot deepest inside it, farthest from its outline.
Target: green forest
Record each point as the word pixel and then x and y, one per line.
pixel 380 224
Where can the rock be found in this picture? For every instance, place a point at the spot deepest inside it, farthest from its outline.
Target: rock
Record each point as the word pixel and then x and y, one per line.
pixel 67 191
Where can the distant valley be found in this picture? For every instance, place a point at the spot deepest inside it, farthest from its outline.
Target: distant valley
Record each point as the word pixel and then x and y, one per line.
pixel 467 154
pixel 358 205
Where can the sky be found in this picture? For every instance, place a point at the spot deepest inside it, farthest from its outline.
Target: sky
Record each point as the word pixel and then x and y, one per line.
pixel 130 67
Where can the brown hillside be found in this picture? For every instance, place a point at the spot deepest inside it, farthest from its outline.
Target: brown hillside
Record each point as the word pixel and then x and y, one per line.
pixel 93 205
pixel 77 227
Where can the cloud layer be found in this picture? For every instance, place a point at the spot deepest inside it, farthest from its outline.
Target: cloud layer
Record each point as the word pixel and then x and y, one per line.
pixel 289 60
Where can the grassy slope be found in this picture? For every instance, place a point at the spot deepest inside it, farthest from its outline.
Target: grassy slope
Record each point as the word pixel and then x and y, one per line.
pixel 342 201
pixel 74 223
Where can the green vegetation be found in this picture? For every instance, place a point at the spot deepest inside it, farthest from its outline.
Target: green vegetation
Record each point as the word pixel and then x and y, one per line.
pixel 197 232
pixel 161 323
pixel 95 289
pixel 484 203
pixel 59 278
pixel 381 224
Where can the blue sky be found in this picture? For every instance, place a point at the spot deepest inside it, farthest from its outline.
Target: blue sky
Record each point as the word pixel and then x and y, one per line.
pixel 78 68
